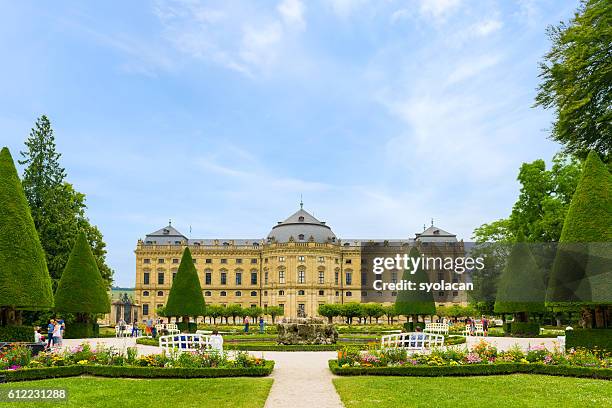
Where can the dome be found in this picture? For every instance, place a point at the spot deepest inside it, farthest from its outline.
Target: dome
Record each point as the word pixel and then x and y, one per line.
pixel 301 226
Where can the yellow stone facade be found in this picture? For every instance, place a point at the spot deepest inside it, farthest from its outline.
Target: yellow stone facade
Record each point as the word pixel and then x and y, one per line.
pixel 298 275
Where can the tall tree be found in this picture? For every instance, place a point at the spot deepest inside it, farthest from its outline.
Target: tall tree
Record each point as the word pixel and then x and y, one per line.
pixel 57 208
pixel 577 79
pixel 24 278
pixel 186 298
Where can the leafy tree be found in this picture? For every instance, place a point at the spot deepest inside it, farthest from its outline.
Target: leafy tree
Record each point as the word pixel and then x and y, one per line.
pixel 577 82
pixel 185 298
pixel 373 310
pixel 391 312
pixel 214 312
pixel 329 310
pixel 521 287
pixel 235 311
pixel 81 289
pixel 24 278
pixel 415 302
pixel 350 311
pixel 254 313
pixel 57 208
pixel 274 311
pixel 581 273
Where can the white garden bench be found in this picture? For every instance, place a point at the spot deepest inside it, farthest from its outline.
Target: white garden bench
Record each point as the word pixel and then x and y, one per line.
pixel 478 331
pixel 184 342
pixel 171 328
pixel 415 341
pixel 437 328
pixel 126 332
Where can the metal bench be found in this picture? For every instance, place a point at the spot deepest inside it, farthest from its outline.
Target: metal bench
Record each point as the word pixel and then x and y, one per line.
pixel 171 328
pixel 126 332
pixel 184 342
pixel 478 330
pixel 437 328
pixel 415 341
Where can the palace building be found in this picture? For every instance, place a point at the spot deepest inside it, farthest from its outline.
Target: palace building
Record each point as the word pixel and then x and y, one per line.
pixel 300 265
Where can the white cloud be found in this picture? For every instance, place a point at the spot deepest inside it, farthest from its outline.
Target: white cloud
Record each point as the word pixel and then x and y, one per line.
pixel 473 66
pixel 292 12
pixel 438 9
pixel 486 27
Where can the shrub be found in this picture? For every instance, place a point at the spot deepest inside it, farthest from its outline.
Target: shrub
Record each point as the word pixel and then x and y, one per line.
pixel 589 338
pixel 79 330
pixel 190 328
pixel 16 333
pixel 525 328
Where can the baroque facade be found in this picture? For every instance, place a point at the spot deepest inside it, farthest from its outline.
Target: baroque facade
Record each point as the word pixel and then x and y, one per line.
pixel 300 265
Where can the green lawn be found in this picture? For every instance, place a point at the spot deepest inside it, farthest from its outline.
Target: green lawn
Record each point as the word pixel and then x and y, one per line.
pixel 519 390
pixel 127 393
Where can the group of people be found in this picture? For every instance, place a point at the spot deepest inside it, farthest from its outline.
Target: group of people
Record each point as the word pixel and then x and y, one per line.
pixel 123 326
pixel 55 333
pixel 262 324
pixel 470 323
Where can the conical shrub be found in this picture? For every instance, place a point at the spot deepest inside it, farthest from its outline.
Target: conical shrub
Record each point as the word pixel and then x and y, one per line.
pixel 186 298
pixel 415 302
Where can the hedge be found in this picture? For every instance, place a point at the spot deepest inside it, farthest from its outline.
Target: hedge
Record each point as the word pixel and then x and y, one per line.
pixel 474 369
pixel 525 328
pixel 589 338
pixel 79 330
pixel 17 333
pixel 135 372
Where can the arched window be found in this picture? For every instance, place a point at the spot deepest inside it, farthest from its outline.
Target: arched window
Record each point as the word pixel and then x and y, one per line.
pixel 349 294
pixel 145 293
pixel 253 293
pixel 301 219
pixel 301 293
pixel 238 293
pixel 208 293
pixel 301 237
pixel 223 293
pixel 281 293
pixel 160 293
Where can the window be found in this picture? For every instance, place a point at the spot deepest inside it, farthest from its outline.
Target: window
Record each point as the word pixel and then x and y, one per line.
pixel 145 293
pixel 336 277
pixel 281 293
pixel 364 278
pixel 145 278
pixel 145 309
pixel 348 261
pixel 337 293
pixel 321 293
pixel 238 293
pixel 394 277
pixel 266 277
pixel 223 260
pixel 160 278
pixel 160 261
pixel 265 260
pixel 321 259
pixel 238 278
pixel 301 237
pixel 208 278
pixel 160 293
pixel 282 306
pixel 208 293
pixel 301 276
pixel 301 258
pixel 159 305
pixel 238 261
pixel 146 260
pixel 301 218
pixel 440 293
pixel 208 261
pixel 253 293
pixel 349 278
pixel 223 293
pixel 253 305
pixel 175 260
pixel 173 275
pixel 281 259
pixel 455 293
pixel 253 260
pixel 321 277
pixel 301 293
pixel 224 278
pixel 393 293
pixel 253 278
pixel 281 276
pixel 194 260
pixel 349 294
pixel 265 293
pixel 337 260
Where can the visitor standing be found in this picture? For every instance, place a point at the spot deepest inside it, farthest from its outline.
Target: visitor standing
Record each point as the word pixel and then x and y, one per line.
pixel 246 324
pixel 262 325
pixel 62 325
pixel 150 327
pixel 134 329
pixel 216 341
pixel 57 334
pixel 121 327
pixel 50 328
pixel 485 325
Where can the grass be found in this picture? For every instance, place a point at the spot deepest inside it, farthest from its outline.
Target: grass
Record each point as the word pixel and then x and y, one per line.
pixel 126 393
pixel 518 390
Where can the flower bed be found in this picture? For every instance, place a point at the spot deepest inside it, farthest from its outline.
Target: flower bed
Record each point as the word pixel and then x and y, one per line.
pixel 482 359
pixel 17 364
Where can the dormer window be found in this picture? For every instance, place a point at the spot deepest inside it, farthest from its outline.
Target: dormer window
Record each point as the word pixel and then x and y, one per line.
pixel 301 219
pixel 301 237
pixel 166 231
pixel 437 232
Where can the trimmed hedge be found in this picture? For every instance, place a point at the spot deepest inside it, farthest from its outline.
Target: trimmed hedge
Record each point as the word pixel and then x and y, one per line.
pixel 182 326
pixel 525 328
pixel 79 330
pixel 135 372
pixel 474 369
pixel 589 338
pixel 16 333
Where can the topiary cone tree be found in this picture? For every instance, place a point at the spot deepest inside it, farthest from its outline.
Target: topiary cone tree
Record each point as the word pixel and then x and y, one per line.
pixel 415 302
pixel 81 289
pixel 24 278
pixel 581 273
pixel 521 287
pixel 186 298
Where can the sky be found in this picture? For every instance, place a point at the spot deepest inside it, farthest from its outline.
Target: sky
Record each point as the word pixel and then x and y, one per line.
pixel 220 115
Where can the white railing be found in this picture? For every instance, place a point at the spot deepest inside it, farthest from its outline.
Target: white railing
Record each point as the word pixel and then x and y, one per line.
pixel 477 331
pixel 171 328
pixel 438 328
pixel 184 342
pixel 412 341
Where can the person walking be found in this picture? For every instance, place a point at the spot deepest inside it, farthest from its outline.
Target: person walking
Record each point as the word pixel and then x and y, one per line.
pixel 134 329
pixel 50 328
pixel 262 325
pixel 485 325
pixel 246 324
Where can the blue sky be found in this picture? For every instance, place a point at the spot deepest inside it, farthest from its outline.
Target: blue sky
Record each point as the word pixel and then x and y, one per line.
pixel 218 115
